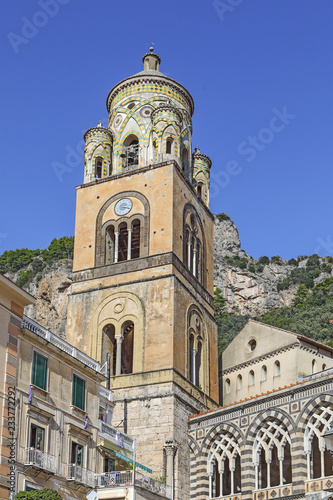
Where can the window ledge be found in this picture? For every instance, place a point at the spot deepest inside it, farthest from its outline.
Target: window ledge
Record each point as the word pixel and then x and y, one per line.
pixel 39 389
pixel 77 410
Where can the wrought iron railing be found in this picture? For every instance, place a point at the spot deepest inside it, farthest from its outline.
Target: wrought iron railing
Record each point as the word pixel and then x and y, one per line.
pixel 80 475
pixel 116 436
pixel 38 458
pixel 125 478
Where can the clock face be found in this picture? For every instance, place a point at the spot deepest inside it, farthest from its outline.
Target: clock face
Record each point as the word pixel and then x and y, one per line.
pixel 123 206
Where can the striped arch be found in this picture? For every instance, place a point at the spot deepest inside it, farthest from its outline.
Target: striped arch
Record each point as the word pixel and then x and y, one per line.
pixel 280 415
pixel 220 429
pixel 137 119
pixel 311 408
pixel 123 138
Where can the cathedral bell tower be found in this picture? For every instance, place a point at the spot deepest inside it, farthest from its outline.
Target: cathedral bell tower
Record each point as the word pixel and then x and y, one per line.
pixel 143 267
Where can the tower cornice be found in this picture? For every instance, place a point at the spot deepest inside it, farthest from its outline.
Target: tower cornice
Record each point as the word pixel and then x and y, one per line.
pixel 149 78
pixel 201 156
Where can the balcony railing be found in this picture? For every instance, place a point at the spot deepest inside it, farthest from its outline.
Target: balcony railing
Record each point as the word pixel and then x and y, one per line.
pixel 125 478
pixel 61 344
pixel 115 436
pixel 37 458
pixel 105 393
pixel 78 474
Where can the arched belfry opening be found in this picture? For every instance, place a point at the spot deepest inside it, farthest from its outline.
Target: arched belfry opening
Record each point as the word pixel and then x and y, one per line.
pixel 109 346
pixel 127 347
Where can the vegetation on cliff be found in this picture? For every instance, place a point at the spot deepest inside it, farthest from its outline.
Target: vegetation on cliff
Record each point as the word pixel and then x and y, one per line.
pixel 13 261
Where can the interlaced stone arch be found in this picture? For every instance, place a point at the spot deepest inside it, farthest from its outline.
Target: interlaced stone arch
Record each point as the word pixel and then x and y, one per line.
pixel 317 418
pixel 222 447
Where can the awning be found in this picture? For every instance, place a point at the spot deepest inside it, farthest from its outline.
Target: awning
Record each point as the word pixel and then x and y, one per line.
pixel 129 460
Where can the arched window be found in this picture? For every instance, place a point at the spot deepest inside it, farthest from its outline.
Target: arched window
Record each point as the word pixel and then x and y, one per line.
pixel 227 386
pixel 127 348
pixel 197 350
pixel 198 365
pixel 194 250
pixel 251 377
pixel 263 373
pixel 191 360
pixel 324 367
pixel 239 382
pixel 122 242
pixel 154 150
pixel 224 466
pixel 109 346
pixel 184 160
pixel 271 455
pixel 169 146
pixel 200 190
pixel 130 151
pixel 109 245
pixel 135 239
pixel 314 366
pixel 319 460
pixel 99 167
pixel 277 369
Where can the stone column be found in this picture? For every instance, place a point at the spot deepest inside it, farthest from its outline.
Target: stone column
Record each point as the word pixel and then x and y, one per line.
pixel 129 247
pixel 170 449
pixel 189 246
pixel 194 356
pixel 116 246
pixel 119 340
pixel 195 262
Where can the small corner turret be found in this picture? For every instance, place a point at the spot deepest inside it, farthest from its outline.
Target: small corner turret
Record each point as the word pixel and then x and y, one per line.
pixel 201 174
pixel 97 153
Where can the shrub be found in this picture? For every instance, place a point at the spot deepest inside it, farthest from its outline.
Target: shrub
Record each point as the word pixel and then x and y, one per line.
pixel 276 259
pixel 293 262
pixel 44 494
pixel 264 260
pixel 25 278
pixel 221 217
pixel 259 268
pixel 251 268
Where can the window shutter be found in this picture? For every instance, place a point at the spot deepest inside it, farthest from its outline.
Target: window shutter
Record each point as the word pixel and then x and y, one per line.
pixel 39 371
pixel 79 389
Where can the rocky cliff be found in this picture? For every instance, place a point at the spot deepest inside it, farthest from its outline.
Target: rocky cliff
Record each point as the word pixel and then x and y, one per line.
pixel 250 287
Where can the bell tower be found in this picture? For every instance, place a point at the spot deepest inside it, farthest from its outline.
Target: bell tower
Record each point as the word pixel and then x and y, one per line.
pixel 143 268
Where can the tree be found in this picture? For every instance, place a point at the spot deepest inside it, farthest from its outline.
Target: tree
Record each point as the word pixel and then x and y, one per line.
pixel 301 295
pixel 44 494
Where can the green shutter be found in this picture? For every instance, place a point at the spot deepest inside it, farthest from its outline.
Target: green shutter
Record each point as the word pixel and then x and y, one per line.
pixel 79 390
pixel 39 371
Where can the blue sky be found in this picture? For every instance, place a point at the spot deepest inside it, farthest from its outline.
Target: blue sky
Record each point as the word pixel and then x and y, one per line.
pixel 261 75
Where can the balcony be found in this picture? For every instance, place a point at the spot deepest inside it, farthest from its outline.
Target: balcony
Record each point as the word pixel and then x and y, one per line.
pixel 40 460
pixel 127 478
pixel 319 484
pixel 116 437
pixel 79 475
pixel 61 344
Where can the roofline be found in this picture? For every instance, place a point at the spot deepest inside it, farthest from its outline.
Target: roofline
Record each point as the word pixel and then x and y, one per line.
pixel 16 292
pixel 297 335
pixel 128 81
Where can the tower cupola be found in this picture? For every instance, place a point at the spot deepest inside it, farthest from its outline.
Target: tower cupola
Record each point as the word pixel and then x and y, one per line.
pixel 201 174
pixel 151 60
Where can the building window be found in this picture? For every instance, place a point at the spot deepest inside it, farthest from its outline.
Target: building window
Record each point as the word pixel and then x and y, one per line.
pixel 324 367
pixel 109 464
pixel 227 386
pixel 169 144
pixel 77 454
pixel 264 373
pixel 252 344
pixel 272 455
pixel 79 392
pixel 37 437
pixel 239 382
pixel 130 152
pixel 224 466
pixel 127 348
pixel 277 369
pixel 319 459
pixel 99 167
pixel 39 371
pixel 251 377
pixel 314 366
pixel 200 190
pixel 135 239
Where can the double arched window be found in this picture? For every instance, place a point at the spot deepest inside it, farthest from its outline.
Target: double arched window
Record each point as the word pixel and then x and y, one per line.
pixel 193 243
pixel 197 349
pixel 224 466
pixel 130 152
pixel 319 460
pixel 120 348
pixel 272 455
pixel 123 239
